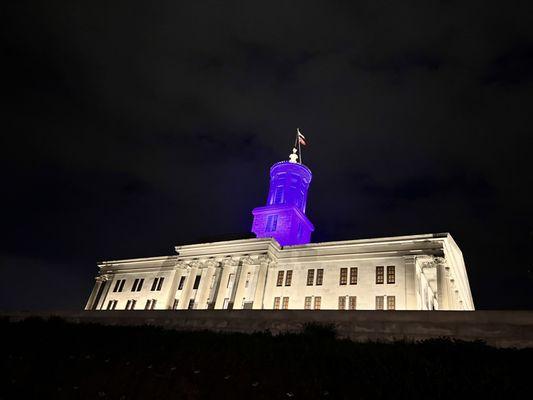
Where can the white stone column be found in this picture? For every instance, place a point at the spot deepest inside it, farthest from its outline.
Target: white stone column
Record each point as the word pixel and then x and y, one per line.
pixel 204 289
pixel 241 282
pixel 442 284
pixel 181 270
pixel 259 295
pixel 187 289
pixel 176 274
pixel 215 290
pixel 105 285
pixel 410 283
pixel 92 298
pixel 228 267
pixel 171 290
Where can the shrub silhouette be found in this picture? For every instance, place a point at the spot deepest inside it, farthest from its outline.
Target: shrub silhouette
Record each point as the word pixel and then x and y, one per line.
pixel 320 331
pixel 60 360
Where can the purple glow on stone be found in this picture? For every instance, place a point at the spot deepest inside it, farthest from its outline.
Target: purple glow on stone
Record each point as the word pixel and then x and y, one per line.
pixel 283 218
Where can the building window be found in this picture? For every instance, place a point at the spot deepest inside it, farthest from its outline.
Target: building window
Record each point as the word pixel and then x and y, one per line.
pixel 119 285
pixel 319 276
pixel 276 303
pixel 391 303
pixel 191 304
pixel 278 196
pixel 318 302
pixel 299 233
pixel 175 305
pixel 391 274
pixel 272 222
pixel 342 302
pixel 352 302
pixel 112 304
pixel 379 302
pixel 344 276
pixel 137 285
pixel 353 276
pixel 231 277
pixel 157 284
pixel 182 282
pixel 307 305
pixel 379 275
pixel 288 278
pixel 197 281
pixel 285 305
pixel 310 277
pixel 280 279
pixel 130 304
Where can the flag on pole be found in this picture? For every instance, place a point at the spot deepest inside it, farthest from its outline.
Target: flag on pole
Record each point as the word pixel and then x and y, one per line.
pixel 301 138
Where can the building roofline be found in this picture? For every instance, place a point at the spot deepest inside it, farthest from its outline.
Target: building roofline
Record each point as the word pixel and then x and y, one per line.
pixel 403 238
pixel 227 245
pixel 144 259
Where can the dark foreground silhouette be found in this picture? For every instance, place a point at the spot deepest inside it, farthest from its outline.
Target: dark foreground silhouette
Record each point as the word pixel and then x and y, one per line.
pixel 55 359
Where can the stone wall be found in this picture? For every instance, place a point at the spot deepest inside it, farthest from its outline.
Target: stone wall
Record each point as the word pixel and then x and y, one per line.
pixel 497 328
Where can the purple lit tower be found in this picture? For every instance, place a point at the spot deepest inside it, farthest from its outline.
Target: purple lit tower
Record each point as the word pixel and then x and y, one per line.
pixel 283 218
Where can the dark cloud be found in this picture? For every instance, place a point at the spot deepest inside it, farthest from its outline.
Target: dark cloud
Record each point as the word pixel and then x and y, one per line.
pixel 129 128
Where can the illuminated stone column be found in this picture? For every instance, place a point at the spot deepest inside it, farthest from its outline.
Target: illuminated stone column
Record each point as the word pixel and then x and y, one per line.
pixel 192 270
pixel 202 295
pixel 96 293
pixel 264 264
pixel 240 289
pixel 214 275
pixel 442 284
pixel 105 290
pixel 176 274
pixel 410 283
pixel 229 266
pixel 172 291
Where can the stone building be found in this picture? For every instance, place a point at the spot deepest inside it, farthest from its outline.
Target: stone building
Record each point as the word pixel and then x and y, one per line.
pixel 282 269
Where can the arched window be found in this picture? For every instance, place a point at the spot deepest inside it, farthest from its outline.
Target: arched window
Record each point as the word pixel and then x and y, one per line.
pixel 278 195
pixel 272 222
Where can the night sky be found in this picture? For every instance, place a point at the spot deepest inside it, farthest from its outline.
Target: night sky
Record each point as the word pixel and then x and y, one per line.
pixel 129 128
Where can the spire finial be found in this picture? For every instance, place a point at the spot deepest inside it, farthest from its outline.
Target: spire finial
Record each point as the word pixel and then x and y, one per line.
pixel 293 158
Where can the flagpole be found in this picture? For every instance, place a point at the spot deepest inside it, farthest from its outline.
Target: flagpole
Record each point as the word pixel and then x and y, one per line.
pixel 299 147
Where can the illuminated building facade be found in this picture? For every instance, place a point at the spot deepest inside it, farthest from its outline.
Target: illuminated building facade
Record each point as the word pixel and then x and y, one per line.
pixel 281 269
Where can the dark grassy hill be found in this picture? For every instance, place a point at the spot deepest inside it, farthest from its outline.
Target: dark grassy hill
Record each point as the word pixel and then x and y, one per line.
pixel 55 359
